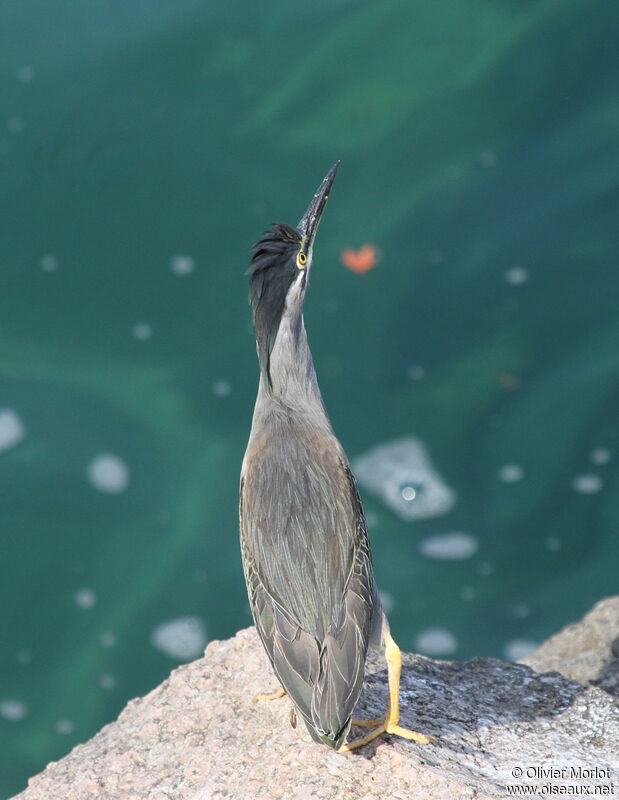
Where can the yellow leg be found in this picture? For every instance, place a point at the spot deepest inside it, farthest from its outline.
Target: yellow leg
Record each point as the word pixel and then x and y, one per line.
pixel 263 696
pixel 390 723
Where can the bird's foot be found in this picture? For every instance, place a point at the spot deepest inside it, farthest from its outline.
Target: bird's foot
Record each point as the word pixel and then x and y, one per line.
pixel 385 726
pixel 264 696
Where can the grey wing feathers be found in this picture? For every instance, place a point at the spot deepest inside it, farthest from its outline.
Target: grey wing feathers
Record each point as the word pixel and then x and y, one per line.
pixel 309 577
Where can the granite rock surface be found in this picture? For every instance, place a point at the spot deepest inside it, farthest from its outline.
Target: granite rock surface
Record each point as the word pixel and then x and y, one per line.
pixel 500 725
pixel 586 651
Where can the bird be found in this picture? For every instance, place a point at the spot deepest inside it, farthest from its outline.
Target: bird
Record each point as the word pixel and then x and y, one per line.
pixel 304 539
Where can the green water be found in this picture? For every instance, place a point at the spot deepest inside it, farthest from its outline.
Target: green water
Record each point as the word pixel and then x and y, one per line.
pixel 480 152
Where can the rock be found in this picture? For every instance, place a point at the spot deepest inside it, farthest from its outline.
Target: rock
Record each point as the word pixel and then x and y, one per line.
pixel 586 651
pixel 199 735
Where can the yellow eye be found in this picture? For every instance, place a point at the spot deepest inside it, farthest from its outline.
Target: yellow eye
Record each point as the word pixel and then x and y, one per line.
pixel 301 259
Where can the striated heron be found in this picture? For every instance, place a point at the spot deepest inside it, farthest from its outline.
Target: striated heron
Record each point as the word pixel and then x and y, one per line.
pixel 304 541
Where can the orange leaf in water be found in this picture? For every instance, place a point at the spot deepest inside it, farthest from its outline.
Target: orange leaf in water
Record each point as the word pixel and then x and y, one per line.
pixel 361 260
pixel 509 381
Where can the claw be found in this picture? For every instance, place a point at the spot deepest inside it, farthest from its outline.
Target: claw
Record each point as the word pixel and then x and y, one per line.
pixel 264 696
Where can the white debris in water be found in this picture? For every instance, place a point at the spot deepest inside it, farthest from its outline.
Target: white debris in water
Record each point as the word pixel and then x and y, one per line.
pixel 108 639
pixel 24 657
pixel 200 575
pixel 553 544
pixel 467 593
pixel 25 74
pixel 454 546
pixel 142 331
pixel 416 372
pixel 600 455
pixel 85 598
pixel 12 429
pixel 436 642
pixel 518 649
pixel 409 493
pixel 488 159
pixel 108 473
pixel 13 710
pixel 107 682
pixel 163 518
pixel 64 726
pixel 15 125
pixel 402 475
pixel 511 473
pixel 372 519
pixel 183 638
pixel 221 388
pixel 182 265
pixel 49 263
pixel 331 306
pixel 386 599
pixel 587 484
pixel 516 276
pixel 522 610
pixel 485 568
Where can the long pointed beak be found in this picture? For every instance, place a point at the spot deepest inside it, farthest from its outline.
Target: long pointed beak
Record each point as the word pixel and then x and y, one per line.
pixel 308 224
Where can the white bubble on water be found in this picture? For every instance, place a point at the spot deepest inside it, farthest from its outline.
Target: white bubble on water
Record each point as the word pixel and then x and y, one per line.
pixel 48 263
pixel 13 710
pixel 600 455
pixel 183 638
pixel 485 568
pixel 416 372
pixel 553 544
pixel 331 306
pixel 108 473
pixel 488 159
pixel 182 265
pixel 107 681
pixel 24 657
pixel 467 593
pixel 12 429
pixel 587 484
pixel 64 726
pixel 386 599
pixel 108 639
pixel 409 493
pixel 221 388
pixel 401 474
pixel 455 546
pixel 142 331
pixel 15 125
pixel 436 642
pixel 516 276
pixel 511 473
pixel 200 575
pixel 25 74
pixel 518 649
pixel 372 519
pixel 85 598
pixel 522 610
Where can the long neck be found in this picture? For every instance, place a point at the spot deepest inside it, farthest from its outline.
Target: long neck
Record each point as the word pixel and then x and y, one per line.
pixel 293 381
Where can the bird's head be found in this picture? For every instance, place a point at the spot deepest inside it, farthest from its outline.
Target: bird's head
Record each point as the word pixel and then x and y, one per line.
pixel 279 271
